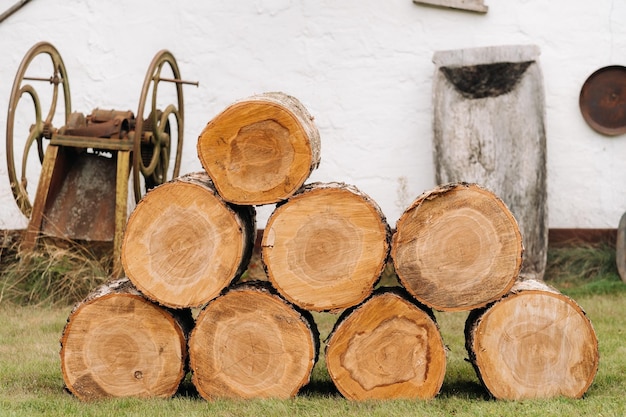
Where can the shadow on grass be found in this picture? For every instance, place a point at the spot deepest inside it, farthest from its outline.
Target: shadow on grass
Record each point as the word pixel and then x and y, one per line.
pixel 324 388
pixel 465 389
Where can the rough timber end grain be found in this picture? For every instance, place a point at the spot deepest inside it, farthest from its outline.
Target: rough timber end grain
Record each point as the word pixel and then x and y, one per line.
pixel 119 344
pixel 533 343
pixel 250 343
pixel 260 150
pixel 457 247
pixel 386 348
pixel 326 247
pixel 183 244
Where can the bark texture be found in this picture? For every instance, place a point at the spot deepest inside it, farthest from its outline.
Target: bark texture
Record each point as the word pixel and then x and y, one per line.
pixel 620 248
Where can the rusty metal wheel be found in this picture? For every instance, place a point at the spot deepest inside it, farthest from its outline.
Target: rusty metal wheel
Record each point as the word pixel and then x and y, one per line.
pixel 35 60
pixel 158 140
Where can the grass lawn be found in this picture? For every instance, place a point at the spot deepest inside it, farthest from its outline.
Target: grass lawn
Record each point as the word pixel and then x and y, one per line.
pixel 31 383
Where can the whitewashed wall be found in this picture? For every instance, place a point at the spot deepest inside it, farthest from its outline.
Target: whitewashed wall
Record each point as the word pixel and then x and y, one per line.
pixel 363 68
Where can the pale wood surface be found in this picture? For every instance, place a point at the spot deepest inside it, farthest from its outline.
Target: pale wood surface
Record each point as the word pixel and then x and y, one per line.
pixel 116 343
pixel 260 150
pixel 250 343
pixel 534 343
pixel 457 247
pixel 489 112
pixel 184 244
pixel 326 247
pixel 386 348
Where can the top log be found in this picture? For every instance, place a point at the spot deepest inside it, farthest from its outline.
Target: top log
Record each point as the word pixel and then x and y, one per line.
pixel 260 150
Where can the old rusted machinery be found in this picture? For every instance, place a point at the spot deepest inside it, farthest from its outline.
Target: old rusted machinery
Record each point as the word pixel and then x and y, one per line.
pixel 86 163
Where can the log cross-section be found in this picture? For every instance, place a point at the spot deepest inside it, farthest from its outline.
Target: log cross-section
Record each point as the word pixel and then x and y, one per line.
pixel 251 343
pixel 326 247
pixel 533 343
pixel 116 343
pixel 457 247
pixel 260 150
pixel 388 347
pixel 184 244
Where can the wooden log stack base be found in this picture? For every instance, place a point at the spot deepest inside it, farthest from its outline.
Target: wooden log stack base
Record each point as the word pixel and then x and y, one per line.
pixel 326 247
pixel 386 348
pixel 534 343
pixel 116 343
pixel 457 248
pixel 260 150
pixel 251 343
pixel 183 244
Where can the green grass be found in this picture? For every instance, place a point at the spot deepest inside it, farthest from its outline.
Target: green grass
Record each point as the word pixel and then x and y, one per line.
pixel 31 383
pixel 584 269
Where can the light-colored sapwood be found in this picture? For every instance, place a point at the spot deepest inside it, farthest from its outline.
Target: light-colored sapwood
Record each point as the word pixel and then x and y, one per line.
pixel 533 343
pixel 386 348
pixel 326 247
pixel 457 247
pixel 184 244
pixel 251 343
pixel 260 150
pixel 116 343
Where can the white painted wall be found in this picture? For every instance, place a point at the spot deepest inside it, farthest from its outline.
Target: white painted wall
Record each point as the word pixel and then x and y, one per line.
pixel 363 68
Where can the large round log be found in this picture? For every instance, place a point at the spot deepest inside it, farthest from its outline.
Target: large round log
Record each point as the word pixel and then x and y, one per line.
pixel 326 247
pixel 534 343
pixel 260 150
pixel 250 343
pixel 457 247
pixel 386 348
pixel 116 343
pixel 183 244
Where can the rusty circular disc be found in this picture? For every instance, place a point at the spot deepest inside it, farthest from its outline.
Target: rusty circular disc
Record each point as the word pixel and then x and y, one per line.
pixel 603 100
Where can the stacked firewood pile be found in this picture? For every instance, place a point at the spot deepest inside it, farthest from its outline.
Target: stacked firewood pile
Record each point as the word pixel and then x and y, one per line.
pixel 324 248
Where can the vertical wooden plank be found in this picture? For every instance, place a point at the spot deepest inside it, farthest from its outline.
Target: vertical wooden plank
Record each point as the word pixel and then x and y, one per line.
pixel 41 198
pixel 121 207
pixel 489 129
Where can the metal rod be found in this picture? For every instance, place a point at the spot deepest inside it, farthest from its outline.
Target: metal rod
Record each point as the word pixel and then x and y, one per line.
pixel 13 9
pixel 177 81
pixel 50 80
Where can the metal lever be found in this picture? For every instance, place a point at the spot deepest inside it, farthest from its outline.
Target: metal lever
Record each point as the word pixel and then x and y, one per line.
pixel 177 81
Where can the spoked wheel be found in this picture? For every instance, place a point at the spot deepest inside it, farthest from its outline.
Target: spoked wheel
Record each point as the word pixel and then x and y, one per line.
pixel 41 128
pixel 157 150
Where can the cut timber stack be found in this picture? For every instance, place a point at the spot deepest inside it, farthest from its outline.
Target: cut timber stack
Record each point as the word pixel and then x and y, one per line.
pixel 116 343
pixel 533 343
pixel 326 247
pixel 250 343
pixel 388 347
pixel 457 247
pixel 183 244
pixel 260 150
